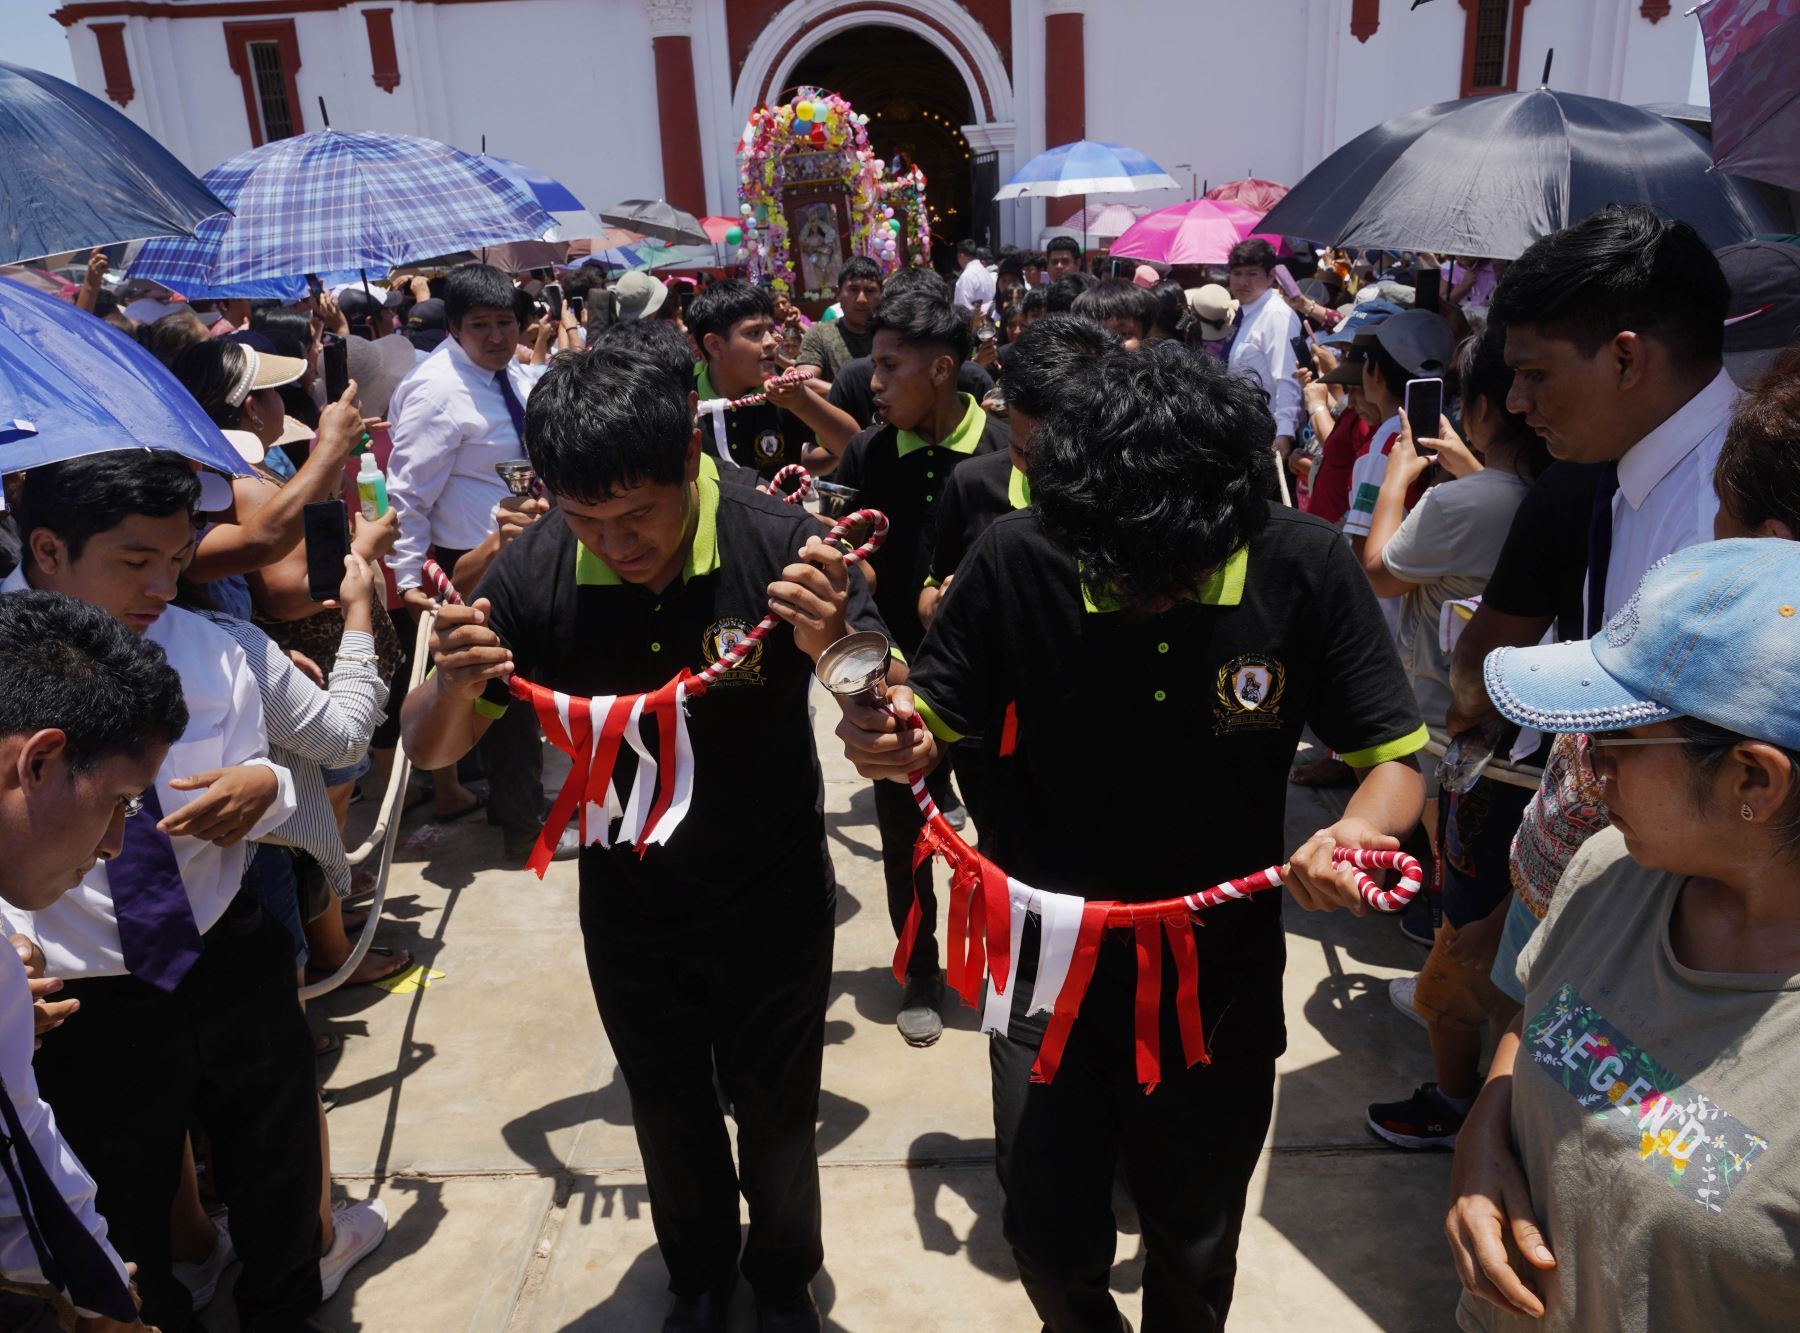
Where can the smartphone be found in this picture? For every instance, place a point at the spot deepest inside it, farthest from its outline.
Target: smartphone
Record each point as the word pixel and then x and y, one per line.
pixel 1424 408
pixel 1303 352
pixel 578 308
pixel 553 298
pixel 1428 290
pixel 336 358
pixel 1285 281
pixel 327 528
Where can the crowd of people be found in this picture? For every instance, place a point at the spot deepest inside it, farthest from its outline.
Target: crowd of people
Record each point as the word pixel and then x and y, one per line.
pixel 1545 635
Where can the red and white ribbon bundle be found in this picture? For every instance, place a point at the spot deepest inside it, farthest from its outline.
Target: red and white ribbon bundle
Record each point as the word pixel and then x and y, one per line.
pixel 987 915
pixel 798 375
pixel 594 732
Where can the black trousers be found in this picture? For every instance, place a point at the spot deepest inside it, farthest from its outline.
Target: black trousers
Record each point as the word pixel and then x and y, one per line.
pixel 230 1049
pixel 1188 1150
pixel 512 753
pixel 755 1008
pixel 898 819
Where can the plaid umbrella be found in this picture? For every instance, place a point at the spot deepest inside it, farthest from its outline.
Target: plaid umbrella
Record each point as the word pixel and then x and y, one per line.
pixel 332 201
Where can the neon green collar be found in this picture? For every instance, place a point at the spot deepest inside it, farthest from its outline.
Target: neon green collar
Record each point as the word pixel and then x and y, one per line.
pixel 962 440
pixel 702 556
pixel 1223 587
pixel 1018 490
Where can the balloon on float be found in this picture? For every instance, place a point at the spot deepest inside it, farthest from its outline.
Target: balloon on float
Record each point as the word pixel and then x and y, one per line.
pixel 734 235
pixel 747 210
pixel 803 110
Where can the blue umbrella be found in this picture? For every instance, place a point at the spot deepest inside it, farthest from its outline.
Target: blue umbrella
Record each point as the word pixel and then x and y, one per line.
pixel 331 201
pixel 1086 167
pixel 75 173
pixel 552 195
pixel 73 385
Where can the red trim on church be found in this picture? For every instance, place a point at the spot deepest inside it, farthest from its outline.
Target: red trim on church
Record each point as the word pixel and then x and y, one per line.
pixel 746 19
pixel 238 37
pixel 115 64
pixel 879 7
pixel 1516 32
pixel 1655 10
pixel 1065 94
pixel 684 180
pixel 70 15
pixel 384 62
pixel 1365 19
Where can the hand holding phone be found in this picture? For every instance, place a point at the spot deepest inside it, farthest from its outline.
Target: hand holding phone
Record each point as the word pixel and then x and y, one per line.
pixel 1424 409
pixel 1428 290
pixel 335 355
pixel 553 298
pixel 327 528
pixel 1303 352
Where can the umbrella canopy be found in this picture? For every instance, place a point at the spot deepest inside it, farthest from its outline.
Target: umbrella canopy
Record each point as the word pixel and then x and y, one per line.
pixel 551 194
pixel 717 228
pixel 1490 175
pixel 657 219
pixel 1097 222
pixel 50 284
pixel 1086 166
pixel 75 173
pixel 73 385
pixel 1201 231
pixel 1259 196
pixel 1752 50
pixel 331 201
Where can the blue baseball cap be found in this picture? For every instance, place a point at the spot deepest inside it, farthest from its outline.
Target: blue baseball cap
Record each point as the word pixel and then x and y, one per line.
pixel 1713 633
pixel 1360 320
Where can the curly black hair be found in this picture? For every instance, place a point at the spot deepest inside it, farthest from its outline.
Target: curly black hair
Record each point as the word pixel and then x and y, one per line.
pixel 1152 472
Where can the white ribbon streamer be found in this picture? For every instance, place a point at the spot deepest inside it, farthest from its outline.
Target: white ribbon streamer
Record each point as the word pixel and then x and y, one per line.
pixel 1059 923
pixel 643 786
pixel 682 777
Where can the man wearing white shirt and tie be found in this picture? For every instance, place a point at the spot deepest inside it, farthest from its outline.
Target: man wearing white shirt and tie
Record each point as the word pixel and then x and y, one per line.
pixel 461 411
pixel 186 986
pixel 88 711
pixel 1263 349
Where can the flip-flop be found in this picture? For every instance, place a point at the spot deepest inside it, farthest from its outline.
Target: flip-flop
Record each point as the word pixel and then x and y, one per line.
pixel 416 797
pixel 327 1043
pixel 361 919
pixel 479 804
pixel 402 961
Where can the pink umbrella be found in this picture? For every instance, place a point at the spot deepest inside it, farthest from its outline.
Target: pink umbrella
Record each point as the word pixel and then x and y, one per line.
pixel 1259 196
pixel 40 281
pixel 1201 231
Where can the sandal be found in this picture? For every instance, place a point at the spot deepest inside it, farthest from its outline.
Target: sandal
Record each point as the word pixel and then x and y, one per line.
pixel 400 960
pixel 479 803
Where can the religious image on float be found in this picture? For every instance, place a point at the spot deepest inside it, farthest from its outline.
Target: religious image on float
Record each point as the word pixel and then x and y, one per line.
pixel 810 194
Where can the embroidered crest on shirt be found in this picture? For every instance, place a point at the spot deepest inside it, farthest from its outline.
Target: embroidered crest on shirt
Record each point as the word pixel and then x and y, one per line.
pixel 720 637
pixel 1249 690
pixel 1683 1135
pixel 768 444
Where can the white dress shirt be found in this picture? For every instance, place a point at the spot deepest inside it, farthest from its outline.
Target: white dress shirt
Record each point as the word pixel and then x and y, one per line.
pixel 79 933
pixel 450 426
pixel 975 286
pixel 1264 352
pixel 18 1259
pixel 1665 501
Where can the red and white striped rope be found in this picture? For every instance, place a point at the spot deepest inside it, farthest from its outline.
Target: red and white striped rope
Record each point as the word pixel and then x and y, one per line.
pixel 798 375
pixel 795 473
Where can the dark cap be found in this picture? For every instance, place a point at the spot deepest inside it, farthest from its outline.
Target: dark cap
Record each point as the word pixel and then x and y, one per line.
pixel 426 324
pixel 1764 314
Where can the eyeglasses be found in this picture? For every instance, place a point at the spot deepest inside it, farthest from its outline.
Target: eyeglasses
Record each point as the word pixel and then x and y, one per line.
pixel 1588 747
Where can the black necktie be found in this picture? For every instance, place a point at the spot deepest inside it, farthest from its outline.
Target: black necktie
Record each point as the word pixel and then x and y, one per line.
pixel 514 408
pixel 1600 535
pixel 71 1259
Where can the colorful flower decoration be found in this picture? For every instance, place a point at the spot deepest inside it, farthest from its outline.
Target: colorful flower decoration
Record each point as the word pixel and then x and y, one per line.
pixel 815 123
pixel 908 214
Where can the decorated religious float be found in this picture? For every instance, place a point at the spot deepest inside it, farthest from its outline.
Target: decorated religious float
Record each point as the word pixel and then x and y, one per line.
pixel 811 195
pixel 905 196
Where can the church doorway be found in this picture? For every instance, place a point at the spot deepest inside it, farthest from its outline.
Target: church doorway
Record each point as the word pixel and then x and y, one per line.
pixel 916 102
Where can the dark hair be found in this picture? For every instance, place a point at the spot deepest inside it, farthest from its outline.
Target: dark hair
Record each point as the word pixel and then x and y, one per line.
pixel 1757 476
pixel 1114 298
pixel 471 285
pixel 1709 746
pixel 289 331
pixel 1013 266
pixel 105 303
pixel 857 268
pixel 724 305
pixel 68 665
pixel 1037 259
pixel 1479 370
pixel 1066 289
pixel 1035 301
pixel 917 279
pixel 1623 268
pixel 583 280
pixel 1253 253
pixel 80 498
pixel 921 320
pixel 651 342
pixel 968 246
pixel 1048 357
pixel 208 370
pixel 599 422
pixel 1171 307
pixel 1068 243
pixel 1152 471
pixel 172 334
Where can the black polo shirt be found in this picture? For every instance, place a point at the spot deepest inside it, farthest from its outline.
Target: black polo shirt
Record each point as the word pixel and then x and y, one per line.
pixel 898 473
pixel 979 492
pixel 763 438
pixel 1151 754
pixel 751 850
pixel 1542 569
pixel 850 387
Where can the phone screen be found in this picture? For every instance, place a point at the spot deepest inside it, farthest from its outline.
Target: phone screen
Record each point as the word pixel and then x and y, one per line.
pixel 1303 352
pixel 1428 289
pixel 1285 281
pixel 336 357
pixel 553 297
pixel 1424 408
pixel 327 528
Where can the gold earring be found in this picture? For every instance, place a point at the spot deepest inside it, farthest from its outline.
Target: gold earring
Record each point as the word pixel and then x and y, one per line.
pixel 1746 811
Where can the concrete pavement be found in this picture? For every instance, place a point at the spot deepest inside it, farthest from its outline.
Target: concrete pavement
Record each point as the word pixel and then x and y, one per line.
pixel 488 1113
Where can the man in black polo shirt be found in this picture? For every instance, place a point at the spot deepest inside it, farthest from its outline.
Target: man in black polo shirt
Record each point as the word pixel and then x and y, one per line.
pixel 733 325
pixel 901 468
pixel 1160 634
pixel 714 947
pixel 850 386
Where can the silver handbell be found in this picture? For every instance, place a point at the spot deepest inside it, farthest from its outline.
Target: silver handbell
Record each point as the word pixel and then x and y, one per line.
pixel 519 477
pixel 856 667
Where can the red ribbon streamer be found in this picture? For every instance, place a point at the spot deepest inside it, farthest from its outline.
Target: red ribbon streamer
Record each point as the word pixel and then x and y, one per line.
pixel 1187 990
pixel 1074 990
pixel 1148 1007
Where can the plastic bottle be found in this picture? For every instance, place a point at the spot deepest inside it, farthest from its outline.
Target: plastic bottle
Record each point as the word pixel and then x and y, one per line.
pixel 371 488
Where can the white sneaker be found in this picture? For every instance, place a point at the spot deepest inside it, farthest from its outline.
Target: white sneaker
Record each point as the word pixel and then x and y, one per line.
pixel 357 1228
pixel 1400 994
pixel 202 1278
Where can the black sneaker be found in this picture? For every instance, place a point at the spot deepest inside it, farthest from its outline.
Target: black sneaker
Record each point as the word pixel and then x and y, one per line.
pixel 919 1021
pixel 1423 1120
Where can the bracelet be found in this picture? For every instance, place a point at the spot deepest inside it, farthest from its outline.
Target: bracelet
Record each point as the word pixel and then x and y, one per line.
pixel 361 659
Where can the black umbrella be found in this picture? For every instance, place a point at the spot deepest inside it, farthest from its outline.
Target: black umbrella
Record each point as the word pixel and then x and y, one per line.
pixel 653 217
pixel 1490 175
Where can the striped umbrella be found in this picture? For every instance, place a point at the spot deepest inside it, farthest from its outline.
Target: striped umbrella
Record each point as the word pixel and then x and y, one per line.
pixel 1086 166
pixel 332 201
